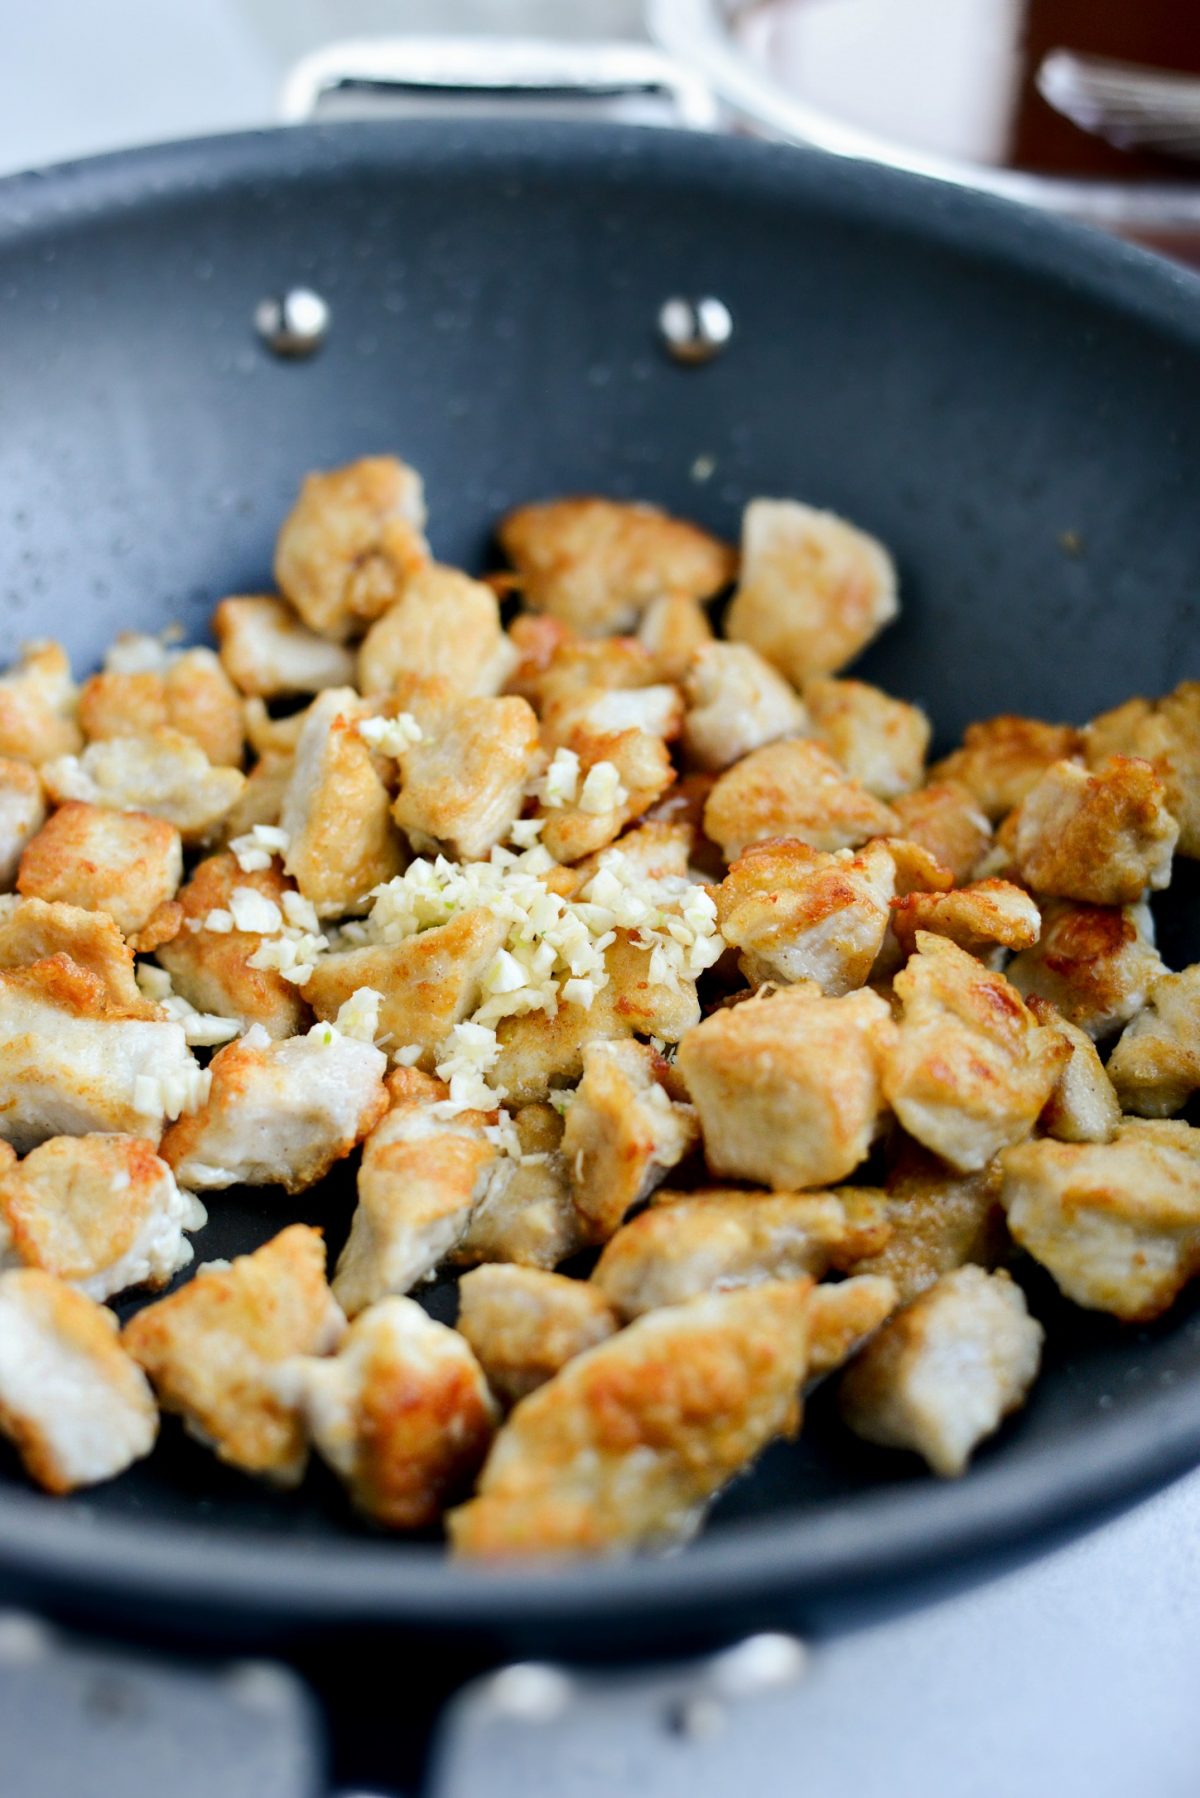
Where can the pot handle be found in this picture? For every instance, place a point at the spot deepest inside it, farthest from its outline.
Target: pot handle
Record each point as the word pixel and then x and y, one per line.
pixel 516 68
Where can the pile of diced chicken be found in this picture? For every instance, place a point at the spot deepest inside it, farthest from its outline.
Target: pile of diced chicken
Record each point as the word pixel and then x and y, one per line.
pixel 607 943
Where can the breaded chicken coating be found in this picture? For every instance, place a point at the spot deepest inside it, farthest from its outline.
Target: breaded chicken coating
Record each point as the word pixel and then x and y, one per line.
pixel 267 653
pixel 736 702
pixel 619 776
pixel 844 1314
pixel 1156 1065
pixel 38 703
pixel 556 668
pixel 981 918
pixel 1165 732
pixel 463 784
pixel 881 742
pixel 598 563
pixel 609 711
pixel 72 1403
pixel 628 1443
pixel 336 811
pixel 801 914
pixel 524 1325
pixel 1002 758
pixel 261 799
pixel 527 1214
pixel 946 1371
pixel 971 1068
pixel 163 773
pixel 1083 1106
pixel 792 789
pixel 124 863
pixel 1103 837
pixel 192 695
pixel 944 818
pixel 214 1350
pixel 33 930
pixel 656 850
pixel 1116 1224
pixel 789 1087
pixel 444 624
pixel 1095 963
pixel 938 1220
pixel 623 1134
pixel 401 1412
pixel 813 590
pixel 671 630
pixel 101 1212
pixel 22 814
pixel 350 543
pixel 209 962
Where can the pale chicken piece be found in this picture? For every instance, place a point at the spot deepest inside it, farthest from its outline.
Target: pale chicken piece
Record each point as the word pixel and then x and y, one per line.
pixel 1117 1225
pixel 38 703
pixel 537 640
pixel 623 1134
pixel 22 814
pixel 813 591
pixel 527 1214
pixel 946 1371
pixel 73 1404
pixel 945 819
pixel 656 850
pixel 1095 963
pixel 33 930
pixel 268 653
pixel 124 863
pixel 463 784
pixel 192 694
pixel 524 1324
pixel 598 563
pixel 163 773
pixel 713 1241
pixel 938 1220
pixel 1002 758
pixel 881 742
pixel 842 1315
pixel 71 1061
pixel 429 982
pixel 736 702
pixel 214 1350
pixel 556 666
pixel 279 1113
pixel 788 1087
pixel 1083 1106
pixel 985 917
pixel 671 630
pixel 401 1413
pixel 1155 1066
pixel 620 777
pixel 351 542
pixel 275 736
pixel 209 958
pixel 971 1068
pixel 627 1444
pixel 443 623
pixel 419 1182
pixel 1104 837
pixel 608 711
pixel 337 811
pixel 101 1212
pixel 797 913
pixel 1165 732
pixel 793 789
pixel 262 797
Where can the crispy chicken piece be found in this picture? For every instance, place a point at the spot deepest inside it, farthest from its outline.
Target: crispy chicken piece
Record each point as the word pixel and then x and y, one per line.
pixel 1165 732
pixel 598 563
pixel 610 711
pixel 444 624
pixel 789 1087
pixel 350 543
pixel 421 1177
pixel 813 591
pixel 842 1315
pixel 981 918
pixel 620 776
pixel 267 653
pixel 34 929
pixel 623 1134
pixel 463 784
pixel 214 1349
pixel 275 736
pixel 537 640
pixel 792 789
pixel 1095 963
pixel 628 1443
pixel 1002 758
pixel 1156 1065
pixel 192 694
pixel 971 1068
pixel 401 1412
pixel 75 1407
pixel 163 773
pixel 556 667
pixel 527 1214
pixel 1116 1224
pixel 800 914
pixel 261 800
pixel 716 1240
pixel 279 1113
pixel 881 742
pixel 938 1220
pixel 336 811
pixel 124 863
pixel 209 963
pixel 736 702
pixel 429 982
pixel 671 629
pixel 946 1371
pixel 1083 1106
pixel 101 1212
pixel 38 705
pixel 1102 837
pixel 22 814
pixel 944 818
pixel 524 1325
pixel 655 850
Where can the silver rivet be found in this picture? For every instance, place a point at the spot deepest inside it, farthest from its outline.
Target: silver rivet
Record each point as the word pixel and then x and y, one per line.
pixel 695 330
pixel 293 324
pixel 758 1664
pixel 23 1639
pixel 530 1691
pixel 260 1686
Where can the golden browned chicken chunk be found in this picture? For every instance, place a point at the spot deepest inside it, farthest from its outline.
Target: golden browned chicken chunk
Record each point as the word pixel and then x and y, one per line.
pixel 981 918
pixel 463 782
pixel 123 863
pixel 801 914
pixel 944 818
pixel 792 789
pixel 267 653
pixel 228 915
pixel 1002 758
pixel 38 704
pixel 261 799
pixel 22 814
pixel 34 929
pixel 557 669
pixel 596 785
pixel 524 1324
pixel 842 1315
pixel 1103 837
pixel 671 630
pixel 1083 1106
pixel 881 742
pixel 736 702
pixel 1156 1065
pixel 336 811
pixel 444 624
pixel 352 540
pixel 191 694
pixel 623 1133
pixel 527 1214
pixel 1165 732
pixel 1095 963
pixel 163 773
pixel 938 1220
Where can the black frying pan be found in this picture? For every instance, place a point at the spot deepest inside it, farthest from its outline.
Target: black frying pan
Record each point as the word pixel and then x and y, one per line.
pixel 1010 404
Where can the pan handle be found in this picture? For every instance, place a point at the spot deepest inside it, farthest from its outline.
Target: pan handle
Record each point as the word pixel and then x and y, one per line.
pixel 518 68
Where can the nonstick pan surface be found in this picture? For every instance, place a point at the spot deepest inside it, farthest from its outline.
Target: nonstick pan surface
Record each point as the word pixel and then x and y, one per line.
pixel 1012 405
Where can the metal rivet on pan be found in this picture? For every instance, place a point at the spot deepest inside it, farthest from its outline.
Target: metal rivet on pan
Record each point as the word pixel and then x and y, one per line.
pixel 530 1691
pixel 695 330
pixel 293 324
pixel 758 1664
pixel 260 1686
pixel 23 1639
